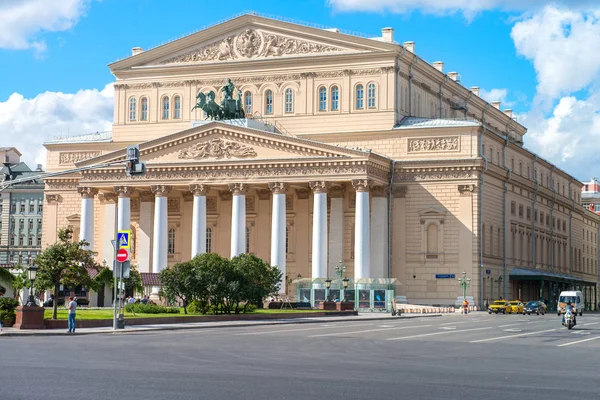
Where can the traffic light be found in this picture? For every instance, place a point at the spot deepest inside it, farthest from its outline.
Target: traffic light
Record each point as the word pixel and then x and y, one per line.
pixel 133 166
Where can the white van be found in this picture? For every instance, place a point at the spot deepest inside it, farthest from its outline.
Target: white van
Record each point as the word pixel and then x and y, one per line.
pixel 575 298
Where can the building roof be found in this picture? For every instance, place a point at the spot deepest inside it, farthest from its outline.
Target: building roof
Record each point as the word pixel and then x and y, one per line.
pixel 18 171
pixel 416 123
pixel 11 148
pixel 87 138
pixel 150 279
pixel 536 274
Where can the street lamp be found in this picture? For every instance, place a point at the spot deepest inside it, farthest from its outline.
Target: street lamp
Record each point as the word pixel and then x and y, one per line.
pixel 464 283
pixel 327 286
pixel 31 274
pixel 340 269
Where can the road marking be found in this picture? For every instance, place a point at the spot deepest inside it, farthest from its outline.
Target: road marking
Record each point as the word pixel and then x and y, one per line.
pixel 592 323
pixel 510 336
pixel 453 323
pixel 513 330
pixel 504 326
pixel 385 326
pixel 578 341
pixel 448 327
pixel 439 333
pixel 368 330
pixel 580 333
pixel 296 330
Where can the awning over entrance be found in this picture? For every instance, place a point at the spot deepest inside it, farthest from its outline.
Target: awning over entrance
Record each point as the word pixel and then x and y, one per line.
pixel 523 274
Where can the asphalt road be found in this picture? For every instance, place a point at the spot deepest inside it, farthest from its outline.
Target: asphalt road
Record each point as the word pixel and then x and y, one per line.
pixel 478 356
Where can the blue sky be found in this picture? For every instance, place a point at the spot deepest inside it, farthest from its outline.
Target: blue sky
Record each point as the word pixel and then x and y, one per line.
pixel 54 75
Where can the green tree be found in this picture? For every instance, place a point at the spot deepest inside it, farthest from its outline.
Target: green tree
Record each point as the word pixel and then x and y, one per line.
pixel 20 281
pixel 64 262
pixel 258 279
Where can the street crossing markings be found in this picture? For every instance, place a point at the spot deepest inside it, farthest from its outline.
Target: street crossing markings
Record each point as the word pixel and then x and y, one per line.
pixel 578 341
pixel 439 333
pixel 510 336
pixel 367 331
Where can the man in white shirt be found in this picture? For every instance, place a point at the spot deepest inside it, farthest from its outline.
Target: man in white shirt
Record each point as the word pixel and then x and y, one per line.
pixel 72 306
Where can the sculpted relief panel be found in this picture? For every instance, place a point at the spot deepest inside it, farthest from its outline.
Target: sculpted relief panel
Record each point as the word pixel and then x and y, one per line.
pixel 433 144
pixel 251 43
pixel 217 148
pixel 71 157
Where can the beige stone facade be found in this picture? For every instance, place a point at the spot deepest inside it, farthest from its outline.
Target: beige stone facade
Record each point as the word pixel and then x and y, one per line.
pixel 449 185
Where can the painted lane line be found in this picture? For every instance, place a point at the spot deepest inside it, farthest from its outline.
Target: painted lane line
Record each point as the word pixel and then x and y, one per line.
pixel 513 330
pixel 504 326
pixel 448 327
pixel 298 330
pixel 439 333
pixel 578 341
pixel 511 336
pixel 367 331
pixel 580 333
pixel 592 323
pixel 453 323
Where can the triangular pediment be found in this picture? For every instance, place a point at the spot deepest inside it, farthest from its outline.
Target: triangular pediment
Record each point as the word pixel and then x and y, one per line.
pixel 219 142
pixel 251 37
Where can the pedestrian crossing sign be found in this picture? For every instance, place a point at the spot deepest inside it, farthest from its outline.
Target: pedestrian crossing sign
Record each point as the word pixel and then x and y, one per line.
pixel 123 239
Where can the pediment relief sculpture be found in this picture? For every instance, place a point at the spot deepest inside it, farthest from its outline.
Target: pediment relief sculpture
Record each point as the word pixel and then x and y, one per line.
pixel 251 43
pixel 217 148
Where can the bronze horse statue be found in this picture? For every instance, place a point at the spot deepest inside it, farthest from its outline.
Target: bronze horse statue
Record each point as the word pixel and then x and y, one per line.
pixel 210 107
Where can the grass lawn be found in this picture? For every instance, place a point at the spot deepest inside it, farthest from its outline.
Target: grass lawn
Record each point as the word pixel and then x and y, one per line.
pixel 107 313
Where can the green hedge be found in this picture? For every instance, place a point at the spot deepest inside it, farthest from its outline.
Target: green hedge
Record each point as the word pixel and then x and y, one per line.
pixel 139 308
pixel 7 308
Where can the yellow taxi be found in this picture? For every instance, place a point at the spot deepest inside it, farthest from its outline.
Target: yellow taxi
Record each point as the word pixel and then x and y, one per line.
pixel 498 307
pixel 515 307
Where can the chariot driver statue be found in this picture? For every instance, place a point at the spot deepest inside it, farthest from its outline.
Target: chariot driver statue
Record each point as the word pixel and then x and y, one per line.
pixel 227 89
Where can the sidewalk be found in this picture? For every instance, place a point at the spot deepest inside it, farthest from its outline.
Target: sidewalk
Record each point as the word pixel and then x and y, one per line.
pixel 208 325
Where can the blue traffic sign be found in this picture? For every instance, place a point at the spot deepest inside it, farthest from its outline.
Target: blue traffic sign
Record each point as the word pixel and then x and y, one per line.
pixel 123 239
pixel 444 276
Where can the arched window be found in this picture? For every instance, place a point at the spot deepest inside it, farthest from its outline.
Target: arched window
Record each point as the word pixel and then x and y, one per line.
pixel 335 98
pixel 144 108
pixel 247 240
pixel 289 100
pixel 322 99
pixel 248 103
pixel 165 108
pixel 432 239
pixel 171 241
pixel 177 107
pixel 269 102
pixel 209 240
pixel 132 108
pixel 371 95
pixel 360 97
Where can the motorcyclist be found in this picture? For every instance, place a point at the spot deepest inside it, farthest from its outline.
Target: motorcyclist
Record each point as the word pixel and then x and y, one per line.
pixel 569 307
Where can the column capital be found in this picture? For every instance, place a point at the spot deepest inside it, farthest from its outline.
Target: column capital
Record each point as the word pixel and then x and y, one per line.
pixel 124 191
pixel 278 187
pixel 199 189
pixel 466 190
pixel 160 190
pixel 107 197
pixel 361 185
pixel 238 188
pixel 87 192
pixel 319 186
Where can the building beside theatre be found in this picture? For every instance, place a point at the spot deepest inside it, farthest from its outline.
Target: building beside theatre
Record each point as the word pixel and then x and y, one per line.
pixel 354 150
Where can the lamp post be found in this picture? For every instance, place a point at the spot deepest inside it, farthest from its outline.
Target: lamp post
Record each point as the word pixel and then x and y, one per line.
pixel 327 286
pixel 31 274
pixel 340 271
pixel 464 283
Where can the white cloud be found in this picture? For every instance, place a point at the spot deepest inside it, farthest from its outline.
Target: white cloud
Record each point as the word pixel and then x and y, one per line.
pixel 21 21
pixel 495 95
pixel 468 7
pixel 27 123
pixel 560 44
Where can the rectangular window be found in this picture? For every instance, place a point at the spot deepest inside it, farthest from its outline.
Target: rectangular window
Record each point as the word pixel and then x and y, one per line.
pixel 520 210
pixel 30 225
pixel 21 225
pixel 13 208
pixel 547 219
pixel 513 208
pixel 171 241
pixel 40 208
pixel 22 208
pixel 21 240
pixel 541 217
pixel 208 240
pixel 39 241
pixel 528 213
pixel 30 241
pixel 31 207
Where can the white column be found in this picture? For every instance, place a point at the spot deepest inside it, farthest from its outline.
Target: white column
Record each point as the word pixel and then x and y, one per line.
pixel 86 224
pixel 238 219
pixel 109 228
pixel 278 236
pixel 124 207
pixel 336 228
pixel 161 228
pixel 379 233
pixel 362 230
pixel 319 239
pixel 199 219
pixel 144 233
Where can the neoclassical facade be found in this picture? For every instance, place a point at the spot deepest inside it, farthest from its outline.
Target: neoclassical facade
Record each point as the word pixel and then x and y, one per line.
pixel 354 150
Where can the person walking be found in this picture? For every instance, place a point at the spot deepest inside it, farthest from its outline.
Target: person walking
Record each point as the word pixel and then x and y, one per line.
pixel 72 307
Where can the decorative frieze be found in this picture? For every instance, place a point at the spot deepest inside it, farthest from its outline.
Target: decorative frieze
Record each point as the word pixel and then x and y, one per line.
pixel 319 186
pixel 238 188
pixel 217 148
pixel 61 185
pixel 433 144
pixel 251 43
pixel 72 157
pixel 160 190
pixel 361 185
pixel 199 189
pixel 435 175
pixel 278 187
pixel 466 190
pixel 87 192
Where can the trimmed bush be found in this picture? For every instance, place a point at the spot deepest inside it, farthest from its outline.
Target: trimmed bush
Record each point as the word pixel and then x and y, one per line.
pixel 7 309
pixel 198 307
pixel 139 308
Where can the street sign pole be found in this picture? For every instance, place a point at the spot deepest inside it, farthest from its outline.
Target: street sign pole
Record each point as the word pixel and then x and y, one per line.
pixel 114 243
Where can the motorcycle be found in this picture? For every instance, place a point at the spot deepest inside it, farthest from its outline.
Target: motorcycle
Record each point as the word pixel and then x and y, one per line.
pixel 569 318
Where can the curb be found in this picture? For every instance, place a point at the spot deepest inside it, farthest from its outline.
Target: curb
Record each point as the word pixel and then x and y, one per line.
pixel 188 327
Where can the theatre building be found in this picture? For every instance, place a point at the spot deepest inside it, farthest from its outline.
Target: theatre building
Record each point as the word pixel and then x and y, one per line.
pixel 353 152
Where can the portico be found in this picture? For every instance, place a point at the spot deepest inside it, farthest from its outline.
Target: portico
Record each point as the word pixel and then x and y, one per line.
pixel 234 180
